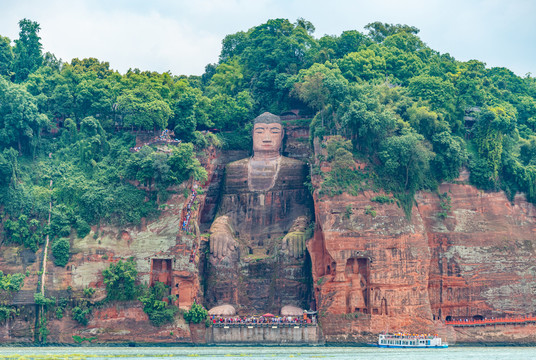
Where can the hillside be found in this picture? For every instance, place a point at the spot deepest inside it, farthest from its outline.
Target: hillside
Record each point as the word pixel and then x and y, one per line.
pixel 422 165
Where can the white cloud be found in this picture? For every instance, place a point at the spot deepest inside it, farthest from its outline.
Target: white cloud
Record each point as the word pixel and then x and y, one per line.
pixel 130 40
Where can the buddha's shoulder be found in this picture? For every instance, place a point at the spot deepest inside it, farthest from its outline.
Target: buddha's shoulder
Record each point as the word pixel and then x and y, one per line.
pixel 285 162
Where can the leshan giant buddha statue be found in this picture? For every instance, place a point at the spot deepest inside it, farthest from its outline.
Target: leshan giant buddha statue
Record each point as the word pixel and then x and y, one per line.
pixel 258 260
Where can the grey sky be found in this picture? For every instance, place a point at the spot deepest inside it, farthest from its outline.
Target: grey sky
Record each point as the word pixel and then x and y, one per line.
pixel 182 36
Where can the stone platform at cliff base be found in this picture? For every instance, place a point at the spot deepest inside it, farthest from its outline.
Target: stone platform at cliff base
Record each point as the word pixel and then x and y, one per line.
pixel 264 334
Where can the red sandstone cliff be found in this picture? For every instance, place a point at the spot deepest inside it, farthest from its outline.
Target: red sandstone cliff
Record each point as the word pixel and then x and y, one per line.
pixel 373 269
pixel 161 250
pixel 477 261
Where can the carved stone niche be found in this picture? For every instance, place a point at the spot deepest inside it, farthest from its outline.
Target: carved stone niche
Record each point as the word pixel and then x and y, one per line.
pixel 162 271
pixel 357 274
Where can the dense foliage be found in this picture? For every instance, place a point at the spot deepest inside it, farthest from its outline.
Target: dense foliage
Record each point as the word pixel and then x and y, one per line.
pixel 81 314
pixel 154 305
pixel 120 280
pixel 11 282
pixel 416 116
pixel 196 314
pixel 60 250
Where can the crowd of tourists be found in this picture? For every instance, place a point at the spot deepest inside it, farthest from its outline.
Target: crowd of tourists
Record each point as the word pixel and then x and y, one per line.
pixel 186 219
pixel 246 320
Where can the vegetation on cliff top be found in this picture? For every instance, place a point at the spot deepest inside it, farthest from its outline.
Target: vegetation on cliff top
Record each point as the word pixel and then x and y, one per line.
pixel 415 115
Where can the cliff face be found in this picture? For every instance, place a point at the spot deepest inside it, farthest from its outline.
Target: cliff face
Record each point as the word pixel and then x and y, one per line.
pixel 162 249
pixel 463 254
pixel 473 260
pixel 483 253
pixel 375 266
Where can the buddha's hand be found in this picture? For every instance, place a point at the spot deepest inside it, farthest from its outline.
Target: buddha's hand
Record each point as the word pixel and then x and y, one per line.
pixel 222 242
pixel 294 242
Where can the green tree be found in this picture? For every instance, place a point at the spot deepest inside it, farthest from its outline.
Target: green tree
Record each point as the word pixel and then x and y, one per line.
pixel 143 108
pixel 366 120
pixel 92 144
pixel 60 250
pixel 493 123
pixel 350 41
pixel 319 86
pixel 228 79
pixel 426 121
pixel 441 94
pixel 183 164
pixel 158 310
pixel 379 31
pixel 27 50
pixel 20 120
pixel 6 57
pixel 450 156
pixel 184 120
pixel 81 314
pixel 405 41
pixel 527 152
pixel 233 45
pixel 196 314
pixel 8 166
pixel 228 112
pixel 401 66
pixel 405 159
pixel 362 65
pixel 11 282
pixel 62 101
pixel 94 97
pixel 120 280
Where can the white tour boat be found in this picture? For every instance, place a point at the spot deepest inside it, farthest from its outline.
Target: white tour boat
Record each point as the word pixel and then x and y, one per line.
pixel 410 341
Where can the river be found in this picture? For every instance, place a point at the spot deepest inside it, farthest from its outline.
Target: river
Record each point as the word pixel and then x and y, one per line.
pixel 229 353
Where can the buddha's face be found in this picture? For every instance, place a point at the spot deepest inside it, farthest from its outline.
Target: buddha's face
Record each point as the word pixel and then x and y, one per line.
pixel 267 139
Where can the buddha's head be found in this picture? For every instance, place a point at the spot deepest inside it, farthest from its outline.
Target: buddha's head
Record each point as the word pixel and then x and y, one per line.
pixel 267 136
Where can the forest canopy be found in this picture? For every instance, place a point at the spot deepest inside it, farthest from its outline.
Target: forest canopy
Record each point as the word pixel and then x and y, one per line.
pixel 415 115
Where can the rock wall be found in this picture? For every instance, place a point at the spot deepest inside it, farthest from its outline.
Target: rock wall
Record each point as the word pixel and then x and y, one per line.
pixel 477 259
pixel 161 250
pixel 483 253
pixel 373 269
pixel 374 266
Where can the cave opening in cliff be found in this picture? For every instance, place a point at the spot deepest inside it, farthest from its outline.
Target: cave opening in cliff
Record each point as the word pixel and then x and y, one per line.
pixel 161 271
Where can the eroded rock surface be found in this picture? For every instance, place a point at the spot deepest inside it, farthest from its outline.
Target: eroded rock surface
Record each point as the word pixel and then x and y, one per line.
pixel 474 260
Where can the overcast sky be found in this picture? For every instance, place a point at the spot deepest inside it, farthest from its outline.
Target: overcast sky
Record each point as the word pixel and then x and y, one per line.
pixel 182 36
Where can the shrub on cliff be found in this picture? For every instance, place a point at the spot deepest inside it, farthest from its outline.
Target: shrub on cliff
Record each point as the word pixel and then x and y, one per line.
pixel 196 314
pixel 11 282
pixel 120 280
pixel 6 312
pixel 81 315
pixel 60 250
pixel 159 311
